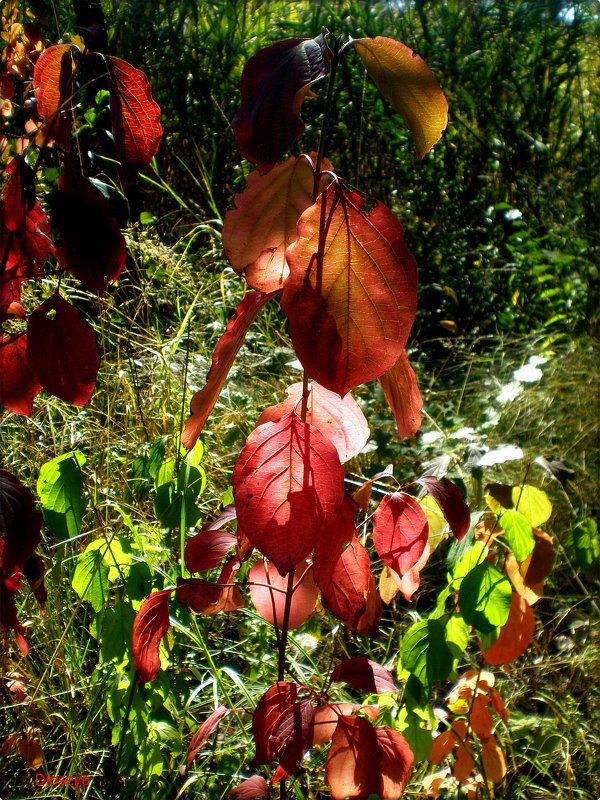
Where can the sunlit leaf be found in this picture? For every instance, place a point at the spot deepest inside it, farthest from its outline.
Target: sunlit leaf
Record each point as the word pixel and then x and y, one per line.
pixel 274 84
pixel 53 86
pixel 263 223
pixel 396 762
pixel 268 593
pixel 518 533
pixel 255 786
pixel 61 491
pixel 516 633
pixel 151 624
pixel 399 384
pixel 353 765
pixel 424 651
pixel 288 484
pixel 339 419
pixel 207 549
pixel 400 532
pixel 532 503
pixel 224 355
pixel 18 386
pixel 485 598
pixel 408 84
pixel 90 579
pixel 350 297
pixel 450 500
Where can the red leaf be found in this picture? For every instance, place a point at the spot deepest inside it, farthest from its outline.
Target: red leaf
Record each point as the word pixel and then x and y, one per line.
pixel 274 83
pixel 326 720
pixel 400 532
pixel 516 634
pixel 263 223
pixel 396 763
pixel 224 355
pixel 401 390
pixel 278 698
pixel 352 291
pixel 18 386
pixel 19 194
pixel 90 245
pixel 53 86
pixel 207 549
pixel 362 673
pixel 268 593
pixel 368 623
pixel 62 351
pixel 255 786
pixel 352 769
pixel 344 589
pixel 294 733
pixel 201 735
pixel 450 500
pixel 340 420
pixel 204 597
pixel 135 117
pixel 150 625
pixel 288 484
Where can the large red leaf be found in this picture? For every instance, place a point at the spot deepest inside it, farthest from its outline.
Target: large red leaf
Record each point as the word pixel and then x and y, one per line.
pixel 352 769
pixel 408 84
pixel 18 386
pixel 352 290
pixel 268 593
pixel 53 86
pixel 150 625
pixel 516 634
pixel 263 223
pixel 400 532
pixel 90 243
pixel 344 588
pixel 207 549
pixel 362 673
pixel 450 500
pixel 288 484
pixel 224 355
pixel 278 698
pixel 401 390
pixel 274 83
pixel 199 738
pixel 135 117
pixel 293 736
pixel 339 419
pixel 62 351
pixel 255 786
pixel 396 763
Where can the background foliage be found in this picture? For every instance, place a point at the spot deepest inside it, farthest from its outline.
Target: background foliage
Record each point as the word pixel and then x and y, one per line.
pixel 502 218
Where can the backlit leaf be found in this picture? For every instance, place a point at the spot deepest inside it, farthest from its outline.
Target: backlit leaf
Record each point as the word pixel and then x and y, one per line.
pixel 450 500
pixel 532 503
pixel 408 84
pixel 340 420
pixel 288 484
pixel 518 533
pixel 53 86
pixel 18 386
pixel 224 355
pixel 278 698
pixel 90 579
pixel 268 593
pixel 399 384
pixel 263 223
pixel 207 549
pixel 274 84
pixel 485 598
pixel 326 720
pixel 292 735
pixel 400 532
pixel 362 673
pixel 516 633
pixel 134 115
pixel 396 762
pixel 200 737
pixel 424 651
pixel 353 765
pixel 151 624
pixel 255 786
pixel 61 491
pixel 350 297
pixel 62 351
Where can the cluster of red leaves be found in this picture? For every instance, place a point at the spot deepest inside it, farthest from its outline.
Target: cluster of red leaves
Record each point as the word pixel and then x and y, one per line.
pixel 469 704
pixel 54 348
pixel 20 524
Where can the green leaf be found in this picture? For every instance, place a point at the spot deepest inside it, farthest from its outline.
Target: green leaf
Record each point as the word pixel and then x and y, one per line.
pixel 533 504
pixel 484 598
pixel 191 479
pixel 117 626
pixel 169 503
pixel 468 561
pixel 457 637
pixel 90 579
pixel 139 581
pixel 116 555
pixel 582 541
pixel 518 533
pixel 425 652
pixel 61 492
pixel 165 473
pixel 419 739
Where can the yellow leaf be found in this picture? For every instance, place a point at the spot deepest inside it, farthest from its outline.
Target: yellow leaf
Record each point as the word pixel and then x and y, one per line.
pixel 532 503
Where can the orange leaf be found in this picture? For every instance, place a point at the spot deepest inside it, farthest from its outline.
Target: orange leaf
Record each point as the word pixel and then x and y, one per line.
pixel 408 84
pixel 263 223
pixel 53 86
pixel 516 633
pixel 339 419
pixel 396 763
pixel 351 294
pixel 352 769
pixel 399 384
pixel 494 760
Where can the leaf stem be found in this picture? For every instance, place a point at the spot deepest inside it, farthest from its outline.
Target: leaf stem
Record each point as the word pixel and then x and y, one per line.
pixel 326 116
pixel 285 624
